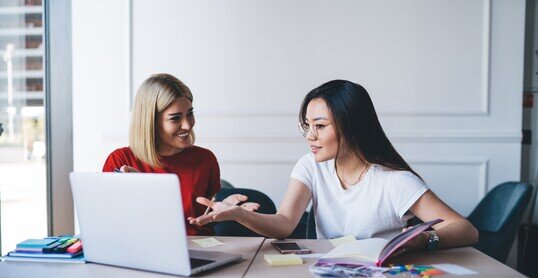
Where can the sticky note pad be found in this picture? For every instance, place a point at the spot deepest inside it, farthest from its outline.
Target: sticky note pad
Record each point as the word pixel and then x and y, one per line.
pixel 288 259
pixel 207 242
pixel 341 240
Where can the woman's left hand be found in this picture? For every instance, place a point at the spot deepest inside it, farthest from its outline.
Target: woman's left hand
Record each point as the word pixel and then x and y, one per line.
pixel 415 244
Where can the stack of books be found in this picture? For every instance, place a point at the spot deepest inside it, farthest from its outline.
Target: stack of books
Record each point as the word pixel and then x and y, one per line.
pixel 50 249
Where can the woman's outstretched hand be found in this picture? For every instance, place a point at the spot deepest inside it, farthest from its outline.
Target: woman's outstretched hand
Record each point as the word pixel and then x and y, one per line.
pixel 225 210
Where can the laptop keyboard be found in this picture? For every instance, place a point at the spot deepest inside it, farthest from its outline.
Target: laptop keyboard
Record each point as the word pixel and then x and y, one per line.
pixel 199 262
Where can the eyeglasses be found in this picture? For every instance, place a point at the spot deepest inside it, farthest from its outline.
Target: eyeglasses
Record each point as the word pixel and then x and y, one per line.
pixel 304 128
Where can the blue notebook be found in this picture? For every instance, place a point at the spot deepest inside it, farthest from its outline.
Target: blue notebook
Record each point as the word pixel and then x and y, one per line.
pixel 37 243
pixel 75 260
pixel 43 255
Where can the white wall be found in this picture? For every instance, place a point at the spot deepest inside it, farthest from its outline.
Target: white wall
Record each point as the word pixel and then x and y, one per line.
pixel 445 77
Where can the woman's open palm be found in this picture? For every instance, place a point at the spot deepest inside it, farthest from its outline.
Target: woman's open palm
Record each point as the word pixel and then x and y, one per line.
pixel 225 210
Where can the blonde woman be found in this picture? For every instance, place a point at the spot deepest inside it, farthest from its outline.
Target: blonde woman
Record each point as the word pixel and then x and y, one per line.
pixel 161 140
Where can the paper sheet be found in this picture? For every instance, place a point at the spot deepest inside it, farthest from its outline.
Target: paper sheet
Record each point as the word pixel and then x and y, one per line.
pixel 454 269
pixel 207 242
pixel 311 255
pixel 341 240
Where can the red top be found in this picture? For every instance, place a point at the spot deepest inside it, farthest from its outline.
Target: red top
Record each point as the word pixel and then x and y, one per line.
pixel 198 172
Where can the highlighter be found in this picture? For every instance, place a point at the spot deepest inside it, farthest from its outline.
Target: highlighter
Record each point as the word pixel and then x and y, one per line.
pixel 75 247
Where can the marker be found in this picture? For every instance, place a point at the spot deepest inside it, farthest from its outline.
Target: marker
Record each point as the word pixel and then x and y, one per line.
pixel 63 248
pixel 63 239
pixel 50 249
pixel 77 246
pixel 59 237
pixel 117 170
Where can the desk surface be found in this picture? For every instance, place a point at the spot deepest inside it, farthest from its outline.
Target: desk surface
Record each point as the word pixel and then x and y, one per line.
pixel 245 246
pixel 253 250
pixel 238 245
pixel 260 268
pixel 467 257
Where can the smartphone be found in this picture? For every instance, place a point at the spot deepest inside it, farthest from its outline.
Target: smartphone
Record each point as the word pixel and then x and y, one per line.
pixel 289 247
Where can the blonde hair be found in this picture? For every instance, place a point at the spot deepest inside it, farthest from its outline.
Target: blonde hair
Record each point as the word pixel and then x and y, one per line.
pixel 154 96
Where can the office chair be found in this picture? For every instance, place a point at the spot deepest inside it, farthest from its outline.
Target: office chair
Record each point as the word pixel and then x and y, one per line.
pixel 497 218
pixel 232 228
pixel 311 225
pixel 300 231
pixel 225 184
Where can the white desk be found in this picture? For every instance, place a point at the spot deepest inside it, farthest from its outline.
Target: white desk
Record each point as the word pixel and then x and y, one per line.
pixel 253 250
pixel 245 246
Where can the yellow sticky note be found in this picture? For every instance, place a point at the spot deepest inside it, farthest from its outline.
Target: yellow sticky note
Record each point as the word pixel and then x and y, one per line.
pixel 288 259
pixel 207 242
pixel 341 240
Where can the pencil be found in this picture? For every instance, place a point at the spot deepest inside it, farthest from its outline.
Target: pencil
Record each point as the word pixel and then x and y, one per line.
pixel 207 209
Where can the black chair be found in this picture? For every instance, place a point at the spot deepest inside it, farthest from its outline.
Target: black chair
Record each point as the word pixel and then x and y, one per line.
pixel 225 184
pixel 311 226
pixel 300 232
pixel 497 218
pixel 232 228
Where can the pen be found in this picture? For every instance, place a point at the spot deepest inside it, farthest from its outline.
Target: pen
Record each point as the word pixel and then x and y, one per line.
pixel 207 209
pixel 117 170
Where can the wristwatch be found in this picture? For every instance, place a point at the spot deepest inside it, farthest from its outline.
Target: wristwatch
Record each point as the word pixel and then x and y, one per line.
pixel 433 240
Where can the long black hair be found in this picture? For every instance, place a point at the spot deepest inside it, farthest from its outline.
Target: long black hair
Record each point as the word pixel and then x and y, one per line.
pixel 356 123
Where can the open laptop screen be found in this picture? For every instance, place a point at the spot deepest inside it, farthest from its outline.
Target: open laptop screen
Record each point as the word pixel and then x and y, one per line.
pixel 133 220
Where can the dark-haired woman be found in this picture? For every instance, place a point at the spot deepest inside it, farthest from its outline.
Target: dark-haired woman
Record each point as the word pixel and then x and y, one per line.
pixel 358 182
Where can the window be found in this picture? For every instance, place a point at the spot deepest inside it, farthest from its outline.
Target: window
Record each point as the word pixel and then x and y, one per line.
pixel 23 167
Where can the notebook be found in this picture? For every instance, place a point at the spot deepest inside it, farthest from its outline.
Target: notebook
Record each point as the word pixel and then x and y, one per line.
pixel 79 259
pixel 136 220
pixel 373 251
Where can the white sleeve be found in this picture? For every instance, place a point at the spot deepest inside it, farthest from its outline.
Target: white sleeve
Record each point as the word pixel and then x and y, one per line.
pixel 304 171
pixel 407 189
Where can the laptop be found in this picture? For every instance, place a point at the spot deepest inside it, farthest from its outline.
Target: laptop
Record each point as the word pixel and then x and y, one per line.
pixel 136 220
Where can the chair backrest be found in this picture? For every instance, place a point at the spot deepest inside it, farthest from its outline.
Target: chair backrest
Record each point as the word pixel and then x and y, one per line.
pixel 300 230
pixel 311 225
pixel 225 184
pixel 232 228
pixel 497 217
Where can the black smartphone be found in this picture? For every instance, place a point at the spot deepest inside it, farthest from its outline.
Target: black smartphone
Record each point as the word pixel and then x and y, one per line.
pixel 289 247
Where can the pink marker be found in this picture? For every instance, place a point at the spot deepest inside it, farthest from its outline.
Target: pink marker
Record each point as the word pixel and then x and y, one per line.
pixel 77 246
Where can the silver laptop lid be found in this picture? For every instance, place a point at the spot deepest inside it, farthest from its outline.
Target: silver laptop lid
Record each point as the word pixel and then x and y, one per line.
pixel 133 220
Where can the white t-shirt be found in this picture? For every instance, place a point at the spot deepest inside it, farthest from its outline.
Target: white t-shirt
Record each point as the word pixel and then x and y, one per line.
pixel 377 206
